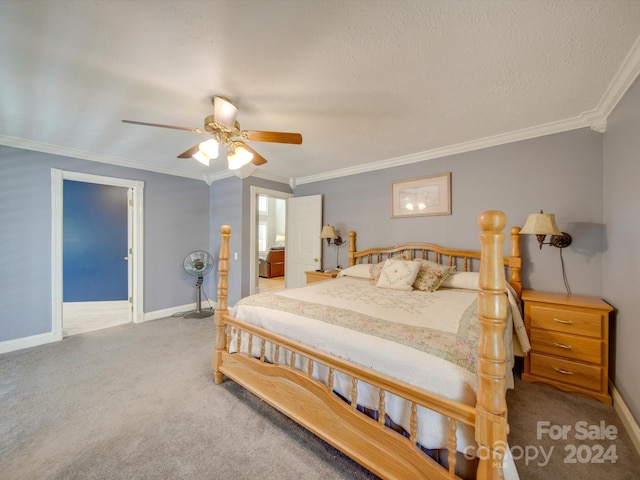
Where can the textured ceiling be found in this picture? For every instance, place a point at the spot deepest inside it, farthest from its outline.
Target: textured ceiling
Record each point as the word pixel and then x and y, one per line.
pixel 368 83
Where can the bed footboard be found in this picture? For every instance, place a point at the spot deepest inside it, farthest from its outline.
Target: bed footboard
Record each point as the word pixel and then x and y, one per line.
pixel 284 373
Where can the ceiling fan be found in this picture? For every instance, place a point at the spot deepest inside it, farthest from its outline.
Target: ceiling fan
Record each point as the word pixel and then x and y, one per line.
pixel 225 131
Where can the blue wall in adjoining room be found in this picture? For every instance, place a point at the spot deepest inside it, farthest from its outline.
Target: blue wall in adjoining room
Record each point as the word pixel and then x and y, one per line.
pixel 95 242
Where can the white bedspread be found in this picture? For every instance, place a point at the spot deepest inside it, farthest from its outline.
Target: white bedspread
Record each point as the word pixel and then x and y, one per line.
pixel 348 317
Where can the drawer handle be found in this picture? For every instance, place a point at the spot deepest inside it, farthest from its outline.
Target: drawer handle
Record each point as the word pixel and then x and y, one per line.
pixel 565 322
pixel 563 372
pixel 560 345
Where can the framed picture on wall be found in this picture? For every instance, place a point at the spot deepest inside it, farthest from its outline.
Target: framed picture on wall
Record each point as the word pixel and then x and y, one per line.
pixel 421 196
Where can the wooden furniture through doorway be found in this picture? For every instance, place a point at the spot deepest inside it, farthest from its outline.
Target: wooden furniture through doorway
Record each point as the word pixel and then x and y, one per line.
pixel 273 265
pixel 315 276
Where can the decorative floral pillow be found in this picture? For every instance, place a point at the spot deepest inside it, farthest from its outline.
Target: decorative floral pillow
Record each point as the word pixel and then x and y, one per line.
pixel 431 275
pixel 376 268
pixel 398 274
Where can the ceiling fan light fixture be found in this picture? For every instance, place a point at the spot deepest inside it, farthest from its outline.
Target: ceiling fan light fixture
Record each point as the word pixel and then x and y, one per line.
pixel 201 157
pixel 224 112
pixel 210 148
pixel 239 157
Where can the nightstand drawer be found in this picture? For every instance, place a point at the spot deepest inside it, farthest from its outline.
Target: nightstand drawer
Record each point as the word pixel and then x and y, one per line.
pixel 566 371
pixel 566 320
pixel 564 345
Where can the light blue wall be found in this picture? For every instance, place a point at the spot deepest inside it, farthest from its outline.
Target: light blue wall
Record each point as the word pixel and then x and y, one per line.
pixel 621 257
pixel 560 174
pixel 25 244
pixel 176 222
pixel 225 202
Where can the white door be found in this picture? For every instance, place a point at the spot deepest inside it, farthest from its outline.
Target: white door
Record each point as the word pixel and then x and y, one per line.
pixel 129 254
pixel 304 245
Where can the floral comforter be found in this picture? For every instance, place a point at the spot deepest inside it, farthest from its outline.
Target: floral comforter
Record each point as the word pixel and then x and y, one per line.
pixel 426 339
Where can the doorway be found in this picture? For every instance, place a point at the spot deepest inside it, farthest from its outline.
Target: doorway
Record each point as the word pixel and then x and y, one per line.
pixel 133 303
pixel 265 233
pixel 95 245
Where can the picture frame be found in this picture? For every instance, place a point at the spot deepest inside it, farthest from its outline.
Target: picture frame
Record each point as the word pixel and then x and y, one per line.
pixel 423 196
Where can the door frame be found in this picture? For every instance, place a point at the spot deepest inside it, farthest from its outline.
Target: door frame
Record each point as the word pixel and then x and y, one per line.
pixel 136 281
pixel 253 230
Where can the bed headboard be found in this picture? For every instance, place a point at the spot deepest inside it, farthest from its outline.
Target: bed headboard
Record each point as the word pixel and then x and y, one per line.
pixel 464 260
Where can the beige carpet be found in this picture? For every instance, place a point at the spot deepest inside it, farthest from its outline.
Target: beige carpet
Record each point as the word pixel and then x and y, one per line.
pixel 138 402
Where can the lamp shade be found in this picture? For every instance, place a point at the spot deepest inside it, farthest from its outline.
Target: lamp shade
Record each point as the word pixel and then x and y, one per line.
pixel 239 157
pixel 209 148
pixel 328 232
pixel 541 224
pixel 201 157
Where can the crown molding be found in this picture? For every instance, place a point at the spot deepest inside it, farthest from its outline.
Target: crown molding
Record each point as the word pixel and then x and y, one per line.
pixel 515 136
pixel 622 81
pixel 257 173
pixel 93 157
pixel 267 176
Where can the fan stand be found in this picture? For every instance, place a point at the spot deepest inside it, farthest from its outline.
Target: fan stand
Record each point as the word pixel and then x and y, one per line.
pixel 198 312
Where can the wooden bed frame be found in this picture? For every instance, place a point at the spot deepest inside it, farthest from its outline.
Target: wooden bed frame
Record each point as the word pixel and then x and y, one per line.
pixel 314 405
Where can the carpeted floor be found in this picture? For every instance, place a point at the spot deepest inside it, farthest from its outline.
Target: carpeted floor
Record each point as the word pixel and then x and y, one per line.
pixel 139 402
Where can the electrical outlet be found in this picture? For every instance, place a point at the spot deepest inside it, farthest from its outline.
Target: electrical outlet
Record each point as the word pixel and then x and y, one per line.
pixel 235 255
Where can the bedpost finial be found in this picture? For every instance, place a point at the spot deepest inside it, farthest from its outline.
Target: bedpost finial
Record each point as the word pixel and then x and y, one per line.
pixel 225 229
pixel 492 220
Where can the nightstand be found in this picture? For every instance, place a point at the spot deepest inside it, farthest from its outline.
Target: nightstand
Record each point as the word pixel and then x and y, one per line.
pixel 569 337
pixel 314 276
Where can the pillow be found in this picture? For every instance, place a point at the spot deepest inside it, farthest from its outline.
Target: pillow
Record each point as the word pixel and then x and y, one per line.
pixel 375 269
pixel 431 275
pixel 359 271
pixel 466 280
pixel 398 274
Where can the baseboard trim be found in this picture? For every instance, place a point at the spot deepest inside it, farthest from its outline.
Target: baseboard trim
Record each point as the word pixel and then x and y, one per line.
pixel 629 423
pixel 50 337
pixel 30 341
pixel 168 312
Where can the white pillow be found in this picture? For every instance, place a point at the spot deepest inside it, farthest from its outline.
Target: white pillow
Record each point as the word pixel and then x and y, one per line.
pixel 359 271
pixel 398 274
pixel 466 280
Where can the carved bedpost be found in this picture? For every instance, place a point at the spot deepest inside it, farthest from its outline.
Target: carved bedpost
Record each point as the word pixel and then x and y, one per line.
pixel 222 308
pixel 352 248
pixel 515 261
pixel 491 406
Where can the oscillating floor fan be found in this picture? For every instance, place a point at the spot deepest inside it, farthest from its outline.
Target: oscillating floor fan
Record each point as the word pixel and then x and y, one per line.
pixel 198 264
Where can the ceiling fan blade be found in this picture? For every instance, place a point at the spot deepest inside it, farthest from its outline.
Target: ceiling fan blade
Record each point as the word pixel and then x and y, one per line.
pixel 174 127
pixel 276 137
pixel 257 158
pixel 224 112
pixel 189 153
